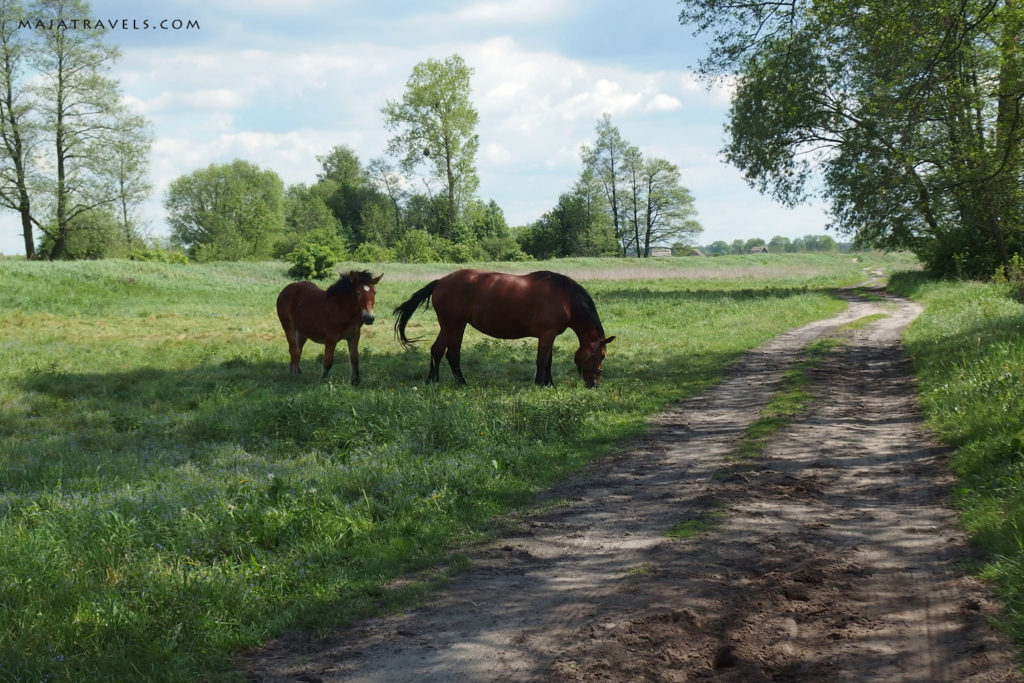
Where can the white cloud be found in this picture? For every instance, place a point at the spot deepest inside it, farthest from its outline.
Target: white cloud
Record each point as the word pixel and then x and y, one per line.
pixel 663 102
pixel 506 11
pixel 497 154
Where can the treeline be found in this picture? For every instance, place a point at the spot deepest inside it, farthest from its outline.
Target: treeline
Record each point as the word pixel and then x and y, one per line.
pixel 417 202
pixel 622 204
pixel 777 245
pixel 362 212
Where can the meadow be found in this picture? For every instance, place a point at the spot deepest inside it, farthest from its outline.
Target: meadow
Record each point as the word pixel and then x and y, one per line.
pixel 170 494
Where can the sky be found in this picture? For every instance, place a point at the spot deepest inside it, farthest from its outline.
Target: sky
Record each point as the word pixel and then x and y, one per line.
pixel 279 83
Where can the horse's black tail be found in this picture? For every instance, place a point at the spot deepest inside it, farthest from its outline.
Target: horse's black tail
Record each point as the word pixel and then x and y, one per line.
pixel 404 312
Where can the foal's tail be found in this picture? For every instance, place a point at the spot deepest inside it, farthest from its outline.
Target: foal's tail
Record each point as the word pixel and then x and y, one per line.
pixel 405 311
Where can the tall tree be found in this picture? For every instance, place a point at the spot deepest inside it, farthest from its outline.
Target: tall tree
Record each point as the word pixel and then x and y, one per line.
pixel 606 161
pixel 435 123
pixel 17 131
pixel 668 213
pixel 909 116
pixel 633 206
pixel 129 168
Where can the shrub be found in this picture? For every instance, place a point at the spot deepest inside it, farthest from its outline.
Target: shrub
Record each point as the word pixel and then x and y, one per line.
pixel 368 252
pixel 415 247
pixel 312 261
pixel 158 256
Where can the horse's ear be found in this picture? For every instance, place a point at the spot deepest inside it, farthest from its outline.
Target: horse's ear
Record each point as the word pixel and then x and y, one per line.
pixel 377 279
pixel 609 340
pixel 354 277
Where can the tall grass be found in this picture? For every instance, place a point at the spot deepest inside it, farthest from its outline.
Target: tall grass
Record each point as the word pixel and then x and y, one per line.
pixel 968 352
pixel 170 493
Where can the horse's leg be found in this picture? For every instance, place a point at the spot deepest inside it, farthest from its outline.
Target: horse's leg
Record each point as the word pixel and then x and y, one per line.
pixel 296 340
pixel 454 354
pixel 328 357
pixel 545 348
pixel 353 356
pixel 437 350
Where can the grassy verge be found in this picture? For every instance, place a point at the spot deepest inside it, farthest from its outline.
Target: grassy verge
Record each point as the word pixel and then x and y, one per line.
pixel 169 493
pixel 968 353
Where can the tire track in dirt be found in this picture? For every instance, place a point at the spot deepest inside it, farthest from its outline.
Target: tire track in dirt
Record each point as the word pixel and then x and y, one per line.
pixel 834 560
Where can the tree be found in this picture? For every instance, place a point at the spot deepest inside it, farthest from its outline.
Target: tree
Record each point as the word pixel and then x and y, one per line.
pixel 308 219
pixel 349 190
pixel 82 115
pixel 717 247
pixel 668 211
pixel 435 123
pixel 341 165
pixel 579 225
pixel 656 207
pixel 605 161
pixel 227 211
pixel 779 244
pixel 908 115
pixel 388 180
pixel 17 131
pixel 129 169
pixel 633 201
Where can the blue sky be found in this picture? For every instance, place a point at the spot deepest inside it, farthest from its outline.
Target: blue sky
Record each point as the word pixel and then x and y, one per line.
pixel 277 83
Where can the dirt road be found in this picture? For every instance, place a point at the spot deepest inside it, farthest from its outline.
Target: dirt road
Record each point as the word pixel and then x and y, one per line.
pixel 832 558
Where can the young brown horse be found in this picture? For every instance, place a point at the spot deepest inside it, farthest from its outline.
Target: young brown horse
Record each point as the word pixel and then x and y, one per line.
pixel 541 305
pixel 308 312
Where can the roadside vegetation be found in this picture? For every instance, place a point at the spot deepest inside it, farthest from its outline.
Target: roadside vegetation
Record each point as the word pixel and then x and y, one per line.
pixel 968 353
pixel 170 493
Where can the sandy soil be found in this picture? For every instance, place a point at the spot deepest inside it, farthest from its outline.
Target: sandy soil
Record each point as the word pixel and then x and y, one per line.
pixel 833 558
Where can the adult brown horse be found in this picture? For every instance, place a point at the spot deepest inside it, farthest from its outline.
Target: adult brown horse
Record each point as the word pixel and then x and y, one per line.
pixel 327 317
pixel 541 305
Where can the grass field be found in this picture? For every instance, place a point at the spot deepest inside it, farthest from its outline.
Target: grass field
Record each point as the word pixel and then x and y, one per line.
pixel 170 493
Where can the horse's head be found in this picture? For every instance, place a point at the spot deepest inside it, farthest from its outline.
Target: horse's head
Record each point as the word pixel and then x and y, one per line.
pixel 589 359
pixel 364 287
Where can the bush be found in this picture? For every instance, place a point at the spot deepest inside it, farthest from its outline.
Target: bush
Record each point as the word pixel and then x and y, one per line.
pixel 312 261
pixel 415 247
pixel 368 252
pixel 501 249
pixel 158 256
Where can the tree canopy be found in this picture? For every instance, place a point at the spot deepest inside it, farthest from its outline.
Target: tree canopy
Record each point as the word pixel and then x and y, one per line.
pixel 227 212
pixel 435 124
pixel 907 116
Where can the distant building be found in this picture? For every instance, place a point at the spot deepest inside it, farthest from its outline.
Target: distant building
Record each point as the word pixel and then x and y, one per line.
pixel 759 250
pixel 660 252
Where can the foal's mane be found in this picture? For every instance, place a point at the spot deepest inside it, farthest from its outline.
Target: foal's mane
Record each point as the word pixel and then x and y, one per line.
pixel 580 302
pixel 345 285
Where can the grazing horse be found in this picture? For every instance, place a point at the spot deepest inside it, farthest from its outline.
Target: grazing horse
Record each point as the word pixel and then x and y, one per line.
pixel 326 317
pixel 541 305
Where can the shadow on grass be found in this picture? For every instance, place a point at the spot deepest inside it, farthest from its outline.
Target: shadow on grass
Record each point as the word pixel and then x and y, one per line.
pixel 154 418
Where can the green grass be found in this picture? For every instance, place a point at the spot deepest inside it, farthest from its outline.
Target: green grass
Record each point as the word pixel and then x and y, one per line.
pixel 170 493
pixel 968 353
pixel 708 520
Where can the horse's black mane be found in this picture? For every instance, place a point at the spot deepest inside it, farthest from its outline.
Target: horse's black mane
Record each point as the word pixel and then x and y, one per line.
pixel 345 285
pixel 583 308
